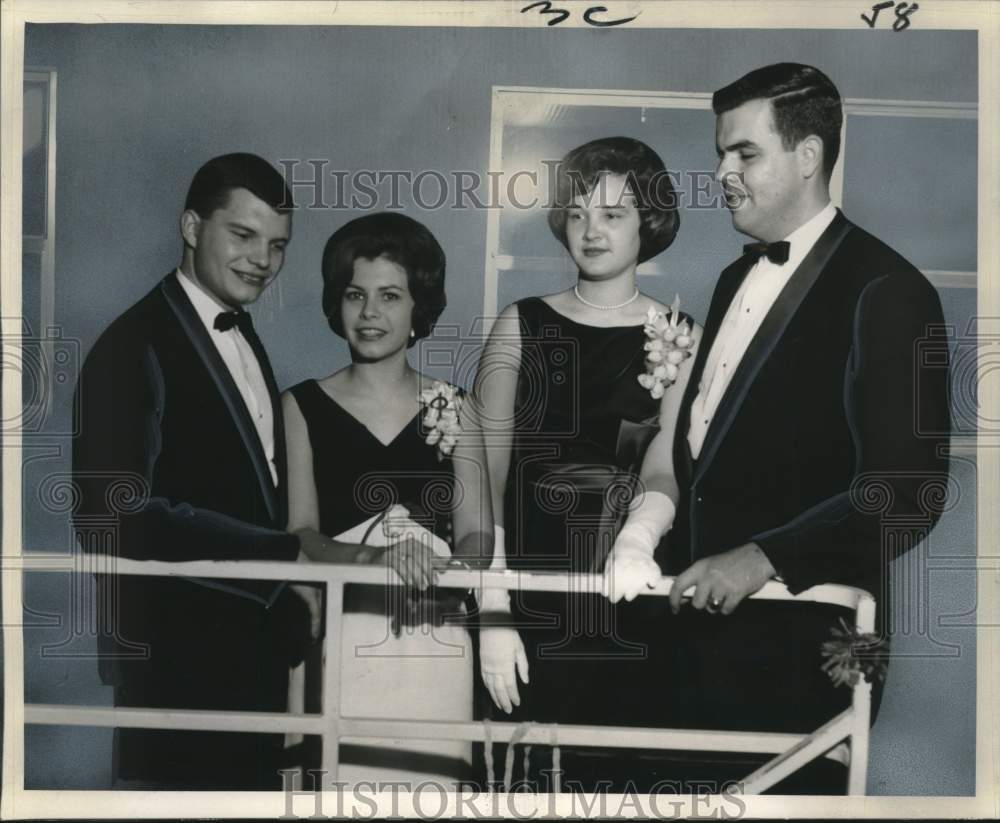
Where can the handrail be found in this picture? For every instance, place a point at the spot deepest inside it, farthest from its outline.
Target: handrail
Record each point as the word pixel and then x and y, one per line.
pixel 792 750
pixel 835 594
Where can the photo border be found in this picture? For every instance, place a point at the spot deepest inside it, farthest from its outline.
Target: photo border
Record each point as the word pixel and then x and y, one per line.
pixel 18 803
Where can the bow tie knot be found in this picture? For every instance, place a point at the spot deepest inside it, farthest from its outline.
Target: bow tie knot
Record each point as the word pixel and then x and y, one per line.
pixel 776 252
pixel 225 320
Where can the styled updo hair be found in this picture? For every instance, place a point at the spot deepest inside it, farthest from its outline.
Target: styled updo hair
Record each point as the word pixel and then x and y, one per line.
pixel 580 171
pixel 399 239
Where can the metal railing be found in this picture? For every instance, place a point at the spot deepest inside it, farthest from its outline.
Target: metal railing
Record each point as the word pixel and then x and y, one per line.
pixel 844 737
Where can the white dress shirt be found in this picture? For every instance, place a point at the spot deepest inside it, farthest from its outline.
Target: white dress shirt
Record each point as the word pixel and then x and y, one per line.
pixel 239 358
pixel 753 300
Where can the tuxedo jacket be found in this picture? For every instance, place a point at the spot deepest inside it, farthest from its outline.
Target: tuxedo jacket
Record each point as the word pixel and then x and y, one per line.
pixel 827 448
pixel 168 466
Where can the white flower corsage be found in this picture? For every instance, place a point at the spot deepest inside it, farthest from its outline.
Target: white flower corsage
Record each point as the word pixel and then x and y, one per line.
pixel 669 343
pixel 442 404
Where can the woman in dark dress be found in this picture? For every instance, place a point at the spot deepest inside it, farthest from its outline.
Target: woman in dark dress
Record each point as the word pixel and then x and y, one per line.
pixel 377 455
pixel 567 387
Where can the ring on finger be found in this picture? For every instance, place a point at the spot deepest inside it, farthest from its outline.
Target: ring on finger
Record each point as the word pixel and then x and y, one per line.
pixel 713 605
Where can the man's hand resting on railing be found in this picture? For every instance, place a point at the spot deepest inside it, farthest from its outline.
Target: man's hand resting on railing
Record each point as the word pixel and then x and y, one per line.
pixel 723 580
pixel 319 548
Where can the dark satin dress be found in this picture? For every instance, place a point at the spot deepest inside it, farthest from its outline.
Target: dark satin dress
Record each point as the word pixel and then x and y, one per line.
pixel 582 423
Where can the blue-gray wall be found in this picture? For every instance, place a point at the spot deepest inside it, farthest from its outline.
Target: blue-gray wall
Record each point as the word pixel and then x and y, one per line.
pixel 141 107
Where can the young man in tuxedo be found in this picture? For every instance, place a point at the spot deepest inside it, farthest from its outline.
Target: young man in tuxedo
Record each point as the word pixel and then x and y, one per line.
pixel 180 456
pixel 810 445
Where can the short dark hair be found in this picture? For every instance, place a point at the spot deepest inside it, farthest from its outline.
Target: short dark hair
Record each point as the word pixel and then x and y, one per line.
pixel 214 181
pixel 397 238
pixel 581 169
pixel 804 101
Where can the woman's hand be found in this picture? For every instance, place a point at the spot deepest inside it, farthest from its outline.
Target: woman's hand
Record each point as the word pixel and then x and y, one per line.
pixel 414 561
pixel 500 653
pixel 630 569
pixel 411 549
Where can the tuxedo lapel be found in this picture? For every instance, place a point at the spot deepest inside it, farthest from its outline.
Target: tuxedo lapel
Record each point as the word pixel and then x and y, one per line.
pixel 280 458
pixel 206 350
pixel 729 283
pixel 767 337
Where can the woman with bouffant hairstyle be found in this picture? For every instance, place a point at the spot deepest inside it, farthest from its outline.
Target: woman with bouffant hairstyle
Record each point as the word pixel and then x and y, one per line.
pixel 568 408
pixel 587 167
pixel 398 239
pixel 381 458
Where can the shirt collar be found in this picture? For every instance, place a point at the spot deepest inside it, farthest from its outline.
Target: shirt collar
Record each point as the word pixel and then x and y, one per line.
pixel 204 305
pixel 805 236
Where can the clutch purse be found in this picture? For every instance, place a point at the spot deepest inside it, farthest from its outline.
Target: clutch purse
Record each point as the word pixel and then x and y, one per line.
pixel 403 606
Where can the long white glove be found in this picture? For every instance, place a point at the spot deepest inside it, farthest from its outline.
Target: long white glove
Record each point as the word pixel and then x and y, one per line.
pixel 630 566
pixel 501 652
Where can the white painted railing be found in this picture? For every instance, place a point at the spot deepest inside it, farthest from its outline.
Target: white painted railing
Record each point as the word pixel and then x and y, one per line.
pixel 844 737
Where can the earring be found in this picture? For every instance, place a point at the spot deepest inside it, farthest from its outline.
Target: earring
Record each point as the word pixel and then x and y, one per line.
pixel 412 334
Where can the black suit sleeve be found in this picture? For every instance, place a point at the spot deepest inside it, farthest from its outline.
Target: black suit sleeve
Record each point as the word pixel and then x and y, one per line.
pixel 119 400
pixel 897 403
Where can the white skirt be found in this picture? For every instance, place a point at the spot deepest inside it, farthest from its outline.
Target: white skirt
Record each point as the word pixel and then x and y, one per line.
pixel 425 673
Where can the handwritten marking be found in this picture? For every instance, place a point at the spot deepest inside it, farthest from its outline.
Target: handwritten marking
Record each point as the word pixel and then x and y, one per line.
pixel 589 16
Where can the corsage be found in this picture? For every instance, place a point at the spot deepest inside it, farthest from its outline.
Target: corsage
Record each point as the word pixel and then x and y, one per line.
pixel 669 343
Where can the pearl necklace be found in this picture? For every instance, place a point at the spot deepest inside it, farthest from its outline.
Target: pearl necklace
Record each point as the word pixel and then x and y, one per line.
pixel 598 306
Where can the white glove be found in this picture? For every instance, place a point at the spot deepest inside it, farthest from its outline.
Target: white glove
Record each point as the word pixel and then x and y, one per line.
pixel 501 652
pixel 630 566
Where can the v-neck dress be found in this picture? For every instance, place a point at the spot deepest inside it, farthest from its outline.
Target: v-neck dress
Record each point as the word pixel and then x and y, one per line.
pixel 424 672
pixel 358 476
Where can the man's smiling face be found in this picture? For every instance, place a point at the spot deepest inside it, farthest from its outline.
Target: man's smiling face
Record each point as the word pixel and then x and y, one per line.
pixel 238 249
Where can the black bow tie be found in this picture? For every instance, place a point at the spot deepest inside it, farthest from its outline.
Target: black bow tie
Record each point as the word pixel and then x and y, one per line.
pixel 775 252
pixel 225 320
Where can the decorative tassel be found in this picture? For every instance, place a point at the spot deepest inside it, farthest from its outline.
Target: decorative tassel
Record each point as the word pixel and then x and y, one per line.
pixel 851 654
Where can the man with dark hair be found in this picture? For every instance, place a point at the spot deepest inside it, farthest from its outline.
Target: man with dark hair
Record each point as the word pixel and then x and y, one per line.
pixel 803 101
pixel 180 456
pixel 843 315
pixel 809 395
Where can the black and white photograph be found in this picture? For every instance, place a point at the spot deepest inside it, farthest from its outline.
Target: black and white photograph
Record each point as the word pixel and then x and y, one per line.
pixel 499 409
